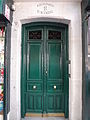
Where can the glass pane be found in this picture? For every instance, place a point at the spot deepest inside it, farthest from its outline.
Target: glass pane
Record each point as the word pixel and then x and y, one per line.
pixel 54 34
pixel 35 34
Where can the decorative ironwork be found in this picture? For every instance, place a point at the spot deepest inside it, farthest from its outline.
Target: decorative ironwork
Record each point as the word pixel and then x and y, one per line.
pixel 54 34
pixel 35 34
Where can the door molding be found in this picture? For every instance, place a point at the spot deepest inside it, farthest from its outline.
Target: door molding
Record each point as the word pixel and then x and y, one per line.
pixel 23 63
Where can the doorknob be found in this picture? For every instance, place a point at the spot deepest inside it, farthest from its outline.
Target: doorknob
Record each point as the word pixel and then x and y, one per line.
pixel 55 87
pixel 34 87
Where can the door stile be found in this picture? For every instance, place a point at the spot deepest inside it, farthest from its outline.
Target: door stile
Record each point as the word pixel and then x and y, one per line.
pixel 23 72
pixel 45 70
pixel 66 80
pixel 63 62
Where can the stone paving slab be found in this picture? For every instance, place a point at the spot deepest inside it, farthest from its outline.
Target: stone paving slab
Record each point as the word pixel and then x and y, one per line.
pixel 44 118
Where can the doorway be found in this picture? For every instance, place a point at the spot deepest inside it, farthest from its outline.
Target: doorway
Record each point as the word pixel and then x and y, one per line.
pixel 44 70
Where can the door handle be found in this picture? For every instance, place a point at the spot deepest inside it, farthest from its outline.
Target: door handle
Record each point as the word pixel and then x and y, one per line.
pixel 34 87
pixel 54 86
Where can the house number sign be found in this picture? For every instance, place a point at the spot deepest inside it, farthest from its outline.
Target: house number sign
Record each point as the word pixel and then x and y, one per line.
pixel 45 8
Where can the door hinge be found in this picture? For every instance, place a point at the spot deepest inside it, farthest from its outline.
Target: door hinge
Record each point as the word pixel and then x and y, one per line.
pixel 69 67
pixel 69 75
pixel 69 61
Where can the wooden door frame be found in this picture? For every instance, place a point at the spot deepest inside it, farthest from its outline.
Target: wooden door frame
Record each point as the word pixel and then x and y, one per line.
pixel 23 63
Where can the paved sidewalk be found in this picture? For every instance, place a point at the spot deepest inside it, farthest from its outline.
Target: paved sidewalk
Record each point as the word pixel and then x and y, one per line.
pixel 44 118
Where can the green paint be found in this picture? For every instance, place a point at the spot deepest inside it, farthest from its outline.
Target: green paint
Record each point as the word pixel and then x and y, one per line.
pixel 44 70
pixel 1 5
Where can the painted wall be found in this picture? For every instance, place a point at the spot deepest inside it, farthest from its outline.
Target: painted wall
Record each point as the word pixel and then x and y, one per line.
pixel 65 12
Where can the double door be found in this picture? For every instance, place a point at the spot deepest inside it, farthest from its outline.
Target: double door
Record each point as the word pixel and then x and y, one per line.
pixel 44 83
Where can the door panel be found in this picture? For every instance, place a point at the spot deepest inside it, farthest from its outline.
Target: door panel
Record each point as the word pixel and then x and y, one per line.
pixel 54 55
pixel 34 103
pixel 59 102
pixel 50 102
pixel 34 87
pixel 54 87
pixel 34 61
pixel 55 103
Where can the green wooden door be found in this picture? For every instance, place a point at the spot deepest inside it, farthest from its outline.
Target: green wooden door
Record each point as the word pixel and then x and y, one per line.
pixel 44 81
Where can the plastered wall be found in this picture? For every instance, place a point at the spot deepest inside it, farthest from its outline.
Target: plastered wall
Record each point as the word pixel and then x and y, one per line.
pixel 64 12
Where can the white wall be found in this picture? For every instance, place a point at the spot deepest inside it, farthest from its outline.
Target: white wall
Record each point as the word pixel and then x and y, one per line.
pixel 1 117
pixel 25 12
